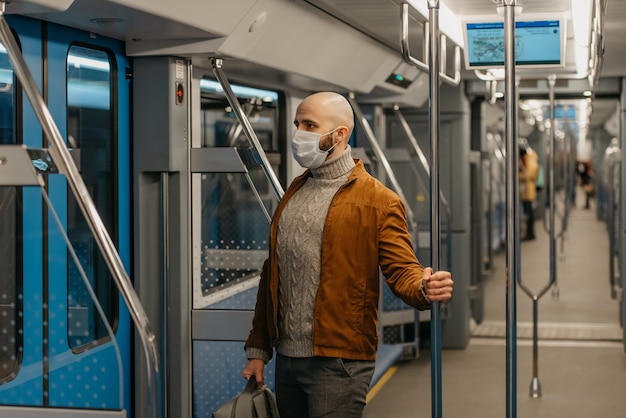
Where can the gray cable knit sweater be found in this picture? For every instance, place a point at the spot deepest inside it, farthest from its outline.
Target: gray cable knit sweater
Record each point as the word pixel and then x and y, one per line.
pixel 299 242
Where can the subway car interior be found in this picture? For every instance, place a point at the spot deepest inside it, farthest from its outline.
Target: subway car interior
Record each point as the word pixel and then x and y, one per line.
pixel 138 183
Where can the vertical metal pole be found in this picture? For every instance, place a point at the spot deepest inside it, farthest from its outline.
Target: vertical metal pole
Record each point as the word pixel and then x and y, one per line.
pixel 165 291
pixel 490 209
pixel 552 181
pixel 517 203
pixel 616 169
pixel 512 219
pixel 435 228
pixel 567 187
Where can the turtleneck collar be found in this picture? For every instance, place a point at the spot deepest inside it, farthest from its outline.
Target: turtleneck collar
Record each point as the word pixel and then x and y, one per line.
pixel 336 167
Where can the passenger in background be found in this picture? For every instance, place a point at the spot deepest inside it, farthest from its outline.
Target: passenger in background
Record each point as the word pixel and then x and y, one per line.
pixel 586 180
pixel 317 301
pixel 528 168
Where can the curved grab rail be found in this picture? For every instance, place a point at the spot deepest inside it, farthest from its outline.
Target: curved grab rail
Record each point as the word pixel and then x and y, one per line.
pixel 406 51
pixel 381 157
pixel 216 63
pixel 552 212
pixel 66 166
pixel 426 166
pixel 535 386
pixel 597 49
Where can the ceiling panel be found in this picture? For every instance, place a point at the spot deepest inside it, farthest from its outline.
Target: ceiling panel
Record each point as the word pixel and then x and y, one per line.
pixel 469 7
pixel 615 35
pixel 380 19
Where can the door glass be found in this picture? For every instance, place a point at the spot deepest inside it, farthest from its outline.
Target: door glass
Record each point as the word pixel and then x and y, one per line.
pixel 235 208
pixel 92 141
pixel 39 364
pixel 231 215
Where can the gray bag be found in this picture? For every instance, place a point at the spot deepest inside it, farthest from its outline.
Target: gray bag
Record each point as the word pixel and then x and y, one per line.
pixel 253 402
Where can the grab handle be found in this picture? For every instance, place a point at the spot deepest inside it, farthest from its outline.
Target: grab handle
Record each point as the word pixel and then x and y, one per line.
pixel 406 50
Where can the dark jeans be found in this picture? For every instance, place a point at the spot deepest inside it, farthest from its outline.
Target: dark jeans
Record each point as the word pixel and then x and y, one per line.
pixel 527 205
pixel 316 387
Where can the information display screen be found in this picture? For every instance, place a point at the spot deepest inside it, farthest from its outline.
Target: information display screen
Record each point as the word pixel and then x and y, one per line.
pixel 538 43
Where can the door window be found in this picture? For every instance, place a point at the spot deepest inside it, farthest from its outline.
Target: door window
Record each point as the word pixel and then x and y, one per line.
pixel 91 139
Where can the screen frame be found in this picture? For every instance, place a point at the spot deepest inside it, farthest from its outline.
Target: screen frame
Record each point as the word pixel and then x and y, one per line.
pixel 524 18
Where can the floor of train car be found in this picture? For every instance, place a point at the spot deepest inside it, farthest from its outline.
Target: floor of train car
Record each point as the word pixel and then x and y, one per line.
pixel 581 358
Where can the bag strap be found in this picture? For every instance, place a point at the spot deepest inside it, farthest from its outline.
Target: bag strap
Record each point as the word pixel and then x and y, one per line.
pixel 262 398
pixel 251 385
pixel 265 404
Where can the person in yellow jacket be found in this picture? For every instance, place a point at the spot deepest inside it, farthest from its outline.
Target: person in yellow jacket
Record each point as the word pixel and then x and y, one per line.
pixel 528 168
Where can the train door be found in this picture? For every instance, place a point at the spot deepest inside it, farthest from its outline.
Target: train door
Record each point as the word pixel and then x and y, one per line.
pixel 56 350
pixel 232 203
pixel 203 204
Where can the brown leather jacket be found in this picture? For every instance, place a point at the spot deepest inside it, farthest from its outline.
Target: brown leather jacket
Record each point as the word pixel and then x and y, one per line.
pixel 365 228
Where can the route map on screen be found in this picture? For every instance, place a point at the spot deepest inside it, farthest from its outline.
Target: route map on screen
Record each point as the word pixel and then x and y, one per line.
pixel 537 43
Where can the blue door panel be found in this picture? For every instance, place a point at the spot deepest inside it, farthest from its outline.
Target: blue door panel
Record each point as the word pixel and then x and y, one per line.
pixel 27 388
pixel 95 377
pixel 76 379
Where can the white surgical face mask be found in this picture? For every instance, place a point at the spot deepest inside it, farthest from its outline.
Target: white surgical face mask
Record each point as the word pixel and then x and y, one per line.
pixel 306 148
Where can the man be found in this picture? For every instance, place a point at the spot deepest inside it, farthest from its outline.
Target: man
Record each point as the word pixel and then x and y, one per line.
pixel 584 172
pixel 318 297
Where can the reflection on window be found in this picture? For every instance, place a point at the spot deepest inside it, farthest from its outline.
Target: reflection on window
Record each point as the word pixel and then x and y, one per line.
pixel 234 225
pixel 235 230
pixel 220 127
pixel 11 253
pixel 91 135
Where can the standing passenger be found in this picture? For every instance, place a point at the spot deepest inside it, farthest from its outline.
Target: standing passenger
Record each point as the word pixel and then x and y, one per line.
pixel 317 301
pixel 528 167
pixel 586 181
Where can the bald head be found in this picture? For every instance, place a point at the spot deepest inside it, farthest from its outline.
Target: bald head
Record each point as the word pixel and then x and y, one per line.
pixel 330 115
pixel 332 107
